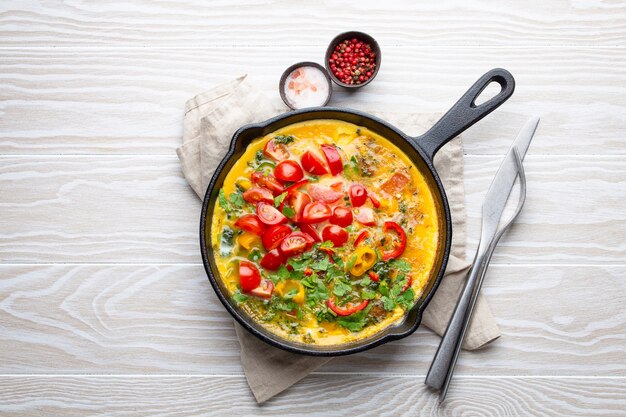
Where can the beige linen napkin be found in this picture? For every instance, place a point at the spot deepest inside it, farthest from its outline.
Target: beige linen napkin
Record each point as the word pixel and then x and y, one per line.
pixel 210 120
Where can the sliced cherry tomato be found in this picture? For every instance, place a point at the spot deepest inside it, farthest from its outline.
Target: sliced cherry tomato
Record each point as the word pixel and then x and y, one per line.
pixel 311 231
pixel 313 164
pixel 337 235
pixel 342 216
pixel 267 181
pixel 250 223
pixel 358 195
pixel 408 284
pixel 249 276
pixel 269 215
pixel 274 235
pixel 374 199
pixel 333 158
pixel 362 236
pixel 264 290
pixel 295 244
pixel 297 201
pixel 288 171
pixel 374 276
pixel 272 260
pixel 256 194
pixel 365 216
pixel 346 310
pixel 276 151
pixel 398 246
pixel 316 212
pixel 324 194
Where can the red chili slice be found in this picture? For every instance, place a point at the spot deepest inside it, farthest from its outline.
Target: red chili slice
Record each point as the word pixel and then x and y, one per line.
pixel 346 310
pixel 333 158
pixel 374 276
pixel 268 214
pixel 295 186
pixel 267 181
pixel 362 236
pixel 272 260
pixel 325 194
pixel 313 164
pixel 250 223
pixel 316 212
pixel 408 284
pixel 256 194
pixel 276 151
pixel 374 199
pixel 264 290
pixel 274 235
pixel 399 246
pixel 358 195
pixel 295 244
pixel 288 171
pixel 249 276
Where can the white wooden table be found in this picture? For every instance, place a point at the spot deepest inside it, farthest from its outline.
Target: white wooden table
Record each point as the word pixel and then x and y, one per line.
pixel 104 305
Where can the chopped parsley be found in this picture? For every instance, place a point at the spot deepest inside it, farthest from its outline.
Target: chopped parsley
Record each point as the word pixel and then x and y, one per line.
pixel 283 139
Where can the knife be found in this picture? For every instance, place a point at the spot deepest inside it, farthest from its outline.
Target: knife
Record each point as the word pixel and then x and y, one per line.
pixel 442 367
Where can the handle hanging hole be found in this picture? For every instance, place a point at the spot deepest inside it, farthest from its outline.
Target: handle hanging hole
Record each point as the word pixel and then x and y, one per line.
pixel 490 91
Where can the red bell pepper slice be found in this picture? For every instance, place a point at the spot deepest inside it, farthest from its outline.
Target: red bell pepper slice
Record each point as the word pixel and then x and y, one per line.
pixel 399 246
pixel 346 310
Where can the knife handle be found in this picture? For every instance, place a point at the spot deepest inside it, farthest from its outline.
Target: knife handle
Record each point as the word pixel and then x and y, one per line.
pixel 448 351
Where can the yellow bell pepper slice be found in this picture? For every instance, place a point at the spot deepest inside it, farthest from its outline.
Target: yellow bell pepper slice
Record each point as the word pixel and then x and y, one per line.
pixel 361 260
pixel 285 287
pixel 249 240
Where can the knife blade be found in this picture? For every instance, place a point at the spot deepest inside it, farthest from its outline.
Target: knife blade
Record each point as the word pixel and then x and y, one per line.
pixel 502 184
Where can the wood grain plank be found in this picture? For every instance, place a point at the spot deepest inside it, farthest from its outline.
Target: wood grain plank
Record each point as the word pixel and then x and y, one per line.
pixel 335 395
pixel 165 319
pixel 138 209
pixel 253 22
pixel 110 101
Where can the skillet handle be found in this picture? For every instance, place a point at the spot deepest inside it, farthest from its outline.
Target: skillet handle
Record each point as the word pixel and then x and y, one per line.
pixel 465 112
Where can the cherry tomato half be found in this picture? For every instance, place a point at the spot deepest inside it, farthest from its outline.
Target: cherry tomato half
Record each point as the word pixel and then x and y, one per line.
pixel 250 223
pixel 297 201
pixel 365 216
pixel 256 194
pixel 347 309
pixel 337 235
pixel 272 260
pixel 268 214
pixel 267 181
pixel 342 216
pixel 249 276
pixel 324 194
pixel 274 235
pixel 333 158
pixel 295 244
pixel 276 151
pixel 311 231
pixel 358 195
pixel 288 171
pixel 264 290
pixel 316 212
pixel 313 164
pixel 399 245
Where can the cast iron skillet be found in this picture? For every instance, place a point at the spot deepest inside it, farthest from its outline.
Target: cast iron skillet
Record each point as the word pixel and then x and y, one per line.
pixel 421 150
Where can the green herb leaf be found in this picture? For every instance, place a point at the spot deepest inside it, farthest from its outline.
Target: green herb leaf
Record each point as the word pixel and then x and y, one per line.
pixel 383 288
pixel 368 294
pixel 239 297
pixel 283 139
pixel 288 211
pixel 236 199
pixel 400 264
pixel 223 201
pixel 279 199
pixel 341 288
pixel 227 241
pixel 354 322
pixel 388 303
pixel 406 299
pixel 255 255
pixel 351 261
